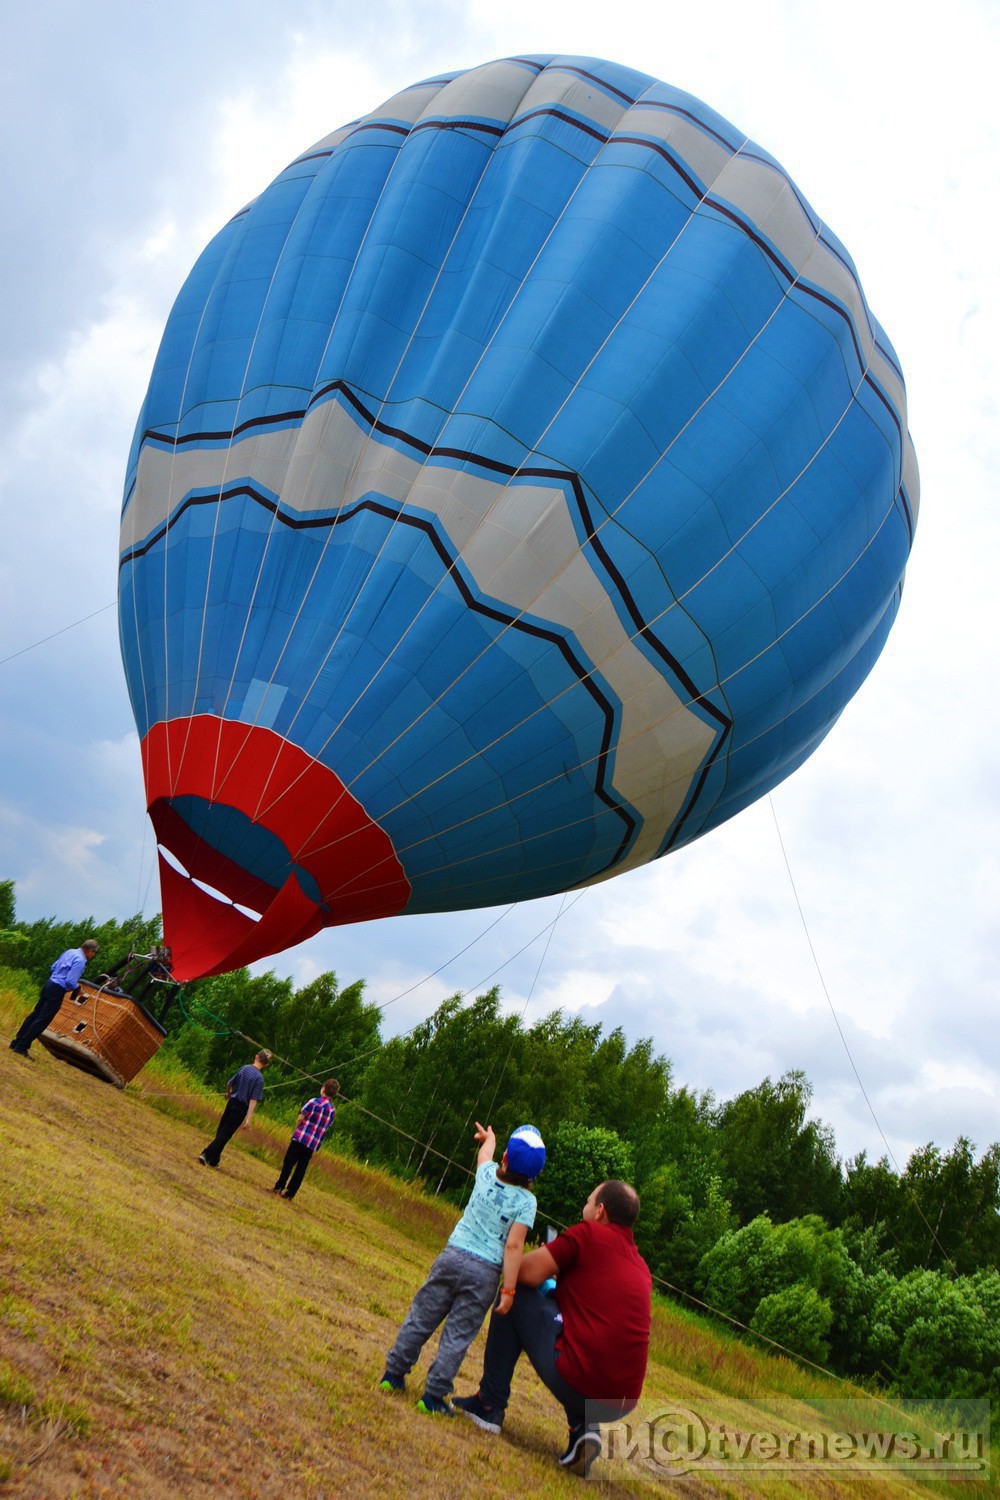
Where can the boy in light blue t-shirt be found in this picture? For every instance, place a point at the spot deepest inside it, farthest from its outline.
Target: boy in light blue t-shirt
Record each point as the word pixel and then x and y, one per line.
pixel 462 1284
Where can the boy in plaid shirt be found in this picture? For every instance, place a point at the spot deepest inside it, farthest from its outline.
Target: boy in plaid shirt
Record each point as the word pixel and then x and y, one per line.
pixel 315 1119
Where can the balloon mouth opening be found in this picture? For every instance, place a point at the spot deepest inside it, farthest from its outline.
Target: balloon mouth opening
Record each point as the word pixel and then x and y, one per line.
pixel 208 890
pixel 224 910
pixel 226 854
pixel 260 845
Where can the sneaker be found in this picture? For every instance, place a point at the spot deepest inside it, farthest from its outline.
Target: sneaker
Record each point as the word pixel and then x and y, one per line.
pixel 205 1161
pixel 486 1417
pixel 433 1406
pixel 392 1382
pixel 584 1446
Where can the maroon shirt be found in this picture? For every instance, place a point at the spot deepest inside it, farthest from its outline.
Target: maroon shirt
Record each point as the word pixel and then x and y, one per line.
pixel 603 1291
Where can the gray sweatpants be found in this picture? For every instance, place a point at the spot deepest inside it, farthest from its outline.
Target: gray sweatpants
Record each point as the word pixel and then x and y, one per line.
pixel 460 1289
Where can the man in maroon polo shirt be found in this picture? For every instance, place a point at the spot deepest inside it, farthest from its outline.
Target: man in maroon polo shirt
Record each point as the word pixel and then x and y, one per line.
pixel 590 1341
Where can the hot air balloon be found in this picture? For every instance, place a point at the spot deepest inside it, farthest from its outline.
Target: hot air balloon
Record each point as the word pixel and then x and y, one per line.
pixel 522 489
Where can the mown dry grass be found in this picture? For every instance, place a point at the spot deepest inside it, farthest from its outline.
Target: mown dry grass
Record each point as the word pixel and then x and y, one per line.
pixel 169 1331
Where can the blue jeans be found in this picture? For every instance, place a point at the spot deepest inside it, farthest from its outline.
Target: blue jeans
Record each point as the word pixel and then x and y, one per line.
pixel 531 1327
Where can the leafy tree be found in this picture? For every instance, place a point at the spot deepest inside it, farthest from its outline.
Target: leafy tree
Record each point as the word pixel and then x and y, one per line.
pixel 13 948
pixel 6 905
pixel 236 1005
pixel 685 1202
pixel 689 1239
pixel 665 1206
pixel 688 1135
pixel 433 1084
pixel 684 1213
pixel 983 1287
pixel 738 1270
pixel 47 938
pixel 948 1212
pixel 942 1213
pixel 751 1265
pixel 579 1157
pixel 630 1094
pixel 13 944
pixel 871 1197
pixel 777 1161
pixel 551 1070
pixel 326 1031
pixel 471 1061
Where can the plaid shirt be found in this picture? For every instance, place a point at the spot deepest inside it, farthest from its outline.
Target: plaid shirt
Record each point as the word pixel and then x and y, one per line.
pixel 316 1119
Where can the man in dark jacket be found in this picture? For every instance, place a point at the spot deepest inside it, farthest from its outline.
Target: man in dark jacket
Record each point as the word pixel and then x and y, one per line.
pixel 589 1343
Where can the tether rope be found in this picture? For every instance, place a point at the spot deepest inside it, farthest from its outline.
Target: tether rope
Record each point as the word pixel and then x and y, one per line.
pixel 62 631
pixel 843 1039
pixel 470 989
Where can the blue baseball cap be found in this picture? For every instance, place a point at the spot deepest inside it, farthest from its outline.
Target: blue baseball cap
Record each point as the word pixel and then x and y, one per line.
pixel 526 1151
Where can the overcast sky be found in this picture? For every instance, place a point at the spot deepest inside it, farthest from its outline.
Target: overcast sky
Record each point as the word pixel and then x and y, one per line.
pixel 865 891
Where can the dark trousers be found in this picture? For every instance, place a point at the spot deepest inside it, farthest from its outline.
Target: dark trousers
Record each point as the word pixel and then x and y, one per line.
pixel 293 1168
pixel 49 1001
pixel 530 1328
pixel 233 1116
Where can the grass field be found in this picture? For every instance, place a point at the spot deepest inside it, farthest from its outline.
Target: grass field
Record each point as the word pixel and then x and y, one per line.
pixel 172 1331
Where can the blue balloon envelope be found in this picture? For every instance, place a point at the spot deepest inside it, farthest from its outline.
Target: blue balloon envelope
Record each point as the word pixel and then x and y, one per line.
pixel 523 488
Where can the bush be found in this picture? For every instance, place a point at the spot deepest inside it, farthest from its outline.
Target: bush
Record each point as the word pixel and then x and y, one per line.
pixel 579 1158
pixel 797 1318
pixel 936 1336
pixel 13 948
pixel 17 982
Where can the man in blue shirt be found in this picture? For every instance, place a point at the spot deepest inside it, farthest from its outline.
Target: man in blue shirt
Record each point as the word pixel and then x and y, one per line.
pixel 244 1091
pixel 66 974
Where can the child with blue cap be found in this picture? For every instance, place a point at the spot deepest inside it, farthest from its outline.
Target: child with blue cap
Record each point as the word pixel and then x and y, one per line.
pixel 462 1284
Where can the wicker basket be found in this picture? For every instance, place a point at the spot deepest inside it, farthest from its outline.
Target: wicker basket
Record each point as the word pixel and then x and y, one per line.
pixel 111 1036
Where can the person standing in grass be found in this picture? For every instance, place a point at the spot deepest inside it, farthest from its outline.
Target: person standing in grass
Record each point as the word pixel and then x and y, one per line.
pixel 244 1091
pixel 315 1119
pixel 67 971
pixel 462 1284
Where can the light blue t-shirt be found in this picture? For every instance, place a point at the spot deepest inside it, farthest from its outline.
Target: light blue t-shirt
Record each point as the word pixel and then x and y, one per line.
pixel 493 1208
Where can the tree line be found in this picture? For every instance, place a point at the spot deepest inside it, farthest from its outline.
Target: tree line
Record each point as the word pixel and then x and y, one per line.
pixel 876 1273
